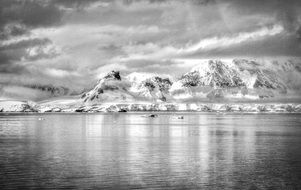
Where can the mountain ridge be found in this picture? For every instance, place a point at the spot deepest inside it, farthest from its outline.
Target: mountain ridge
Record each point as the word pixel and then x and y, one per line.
pixel 213 80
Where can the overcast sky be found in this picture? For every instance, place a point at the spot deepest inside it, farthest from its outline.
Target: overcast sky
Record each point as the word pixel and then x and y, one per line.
pixel 70 42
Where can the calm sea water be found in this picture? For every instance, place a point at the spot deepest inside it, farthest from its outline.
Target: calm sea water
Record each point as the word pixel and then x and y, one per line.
pixel 129 151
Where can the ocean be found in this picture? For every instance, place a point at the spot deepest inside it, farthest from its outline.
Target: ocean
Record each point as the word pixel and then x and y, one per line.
pixel 133 151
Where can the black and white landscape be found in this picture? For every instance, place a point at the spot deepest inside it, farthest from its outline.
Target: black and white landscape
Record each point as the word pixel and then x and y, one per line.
pixel 61 54
pixel 150 94
pixel 238 85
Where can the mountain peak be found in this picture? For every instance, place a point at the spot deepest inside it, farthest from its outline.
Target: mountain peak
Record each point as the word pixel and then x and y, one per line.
pixel 113 75
pixel 154 87
pixel 214 73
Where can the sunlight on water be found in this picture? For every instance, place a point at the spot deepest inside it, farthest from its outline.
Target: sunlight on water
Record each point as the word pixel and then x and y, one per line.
pixel 128 150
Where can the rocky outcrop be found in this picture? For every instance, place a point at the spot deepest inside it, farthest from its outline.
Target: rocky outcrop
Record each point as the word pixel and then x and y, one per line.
pixel 156 88
pixel 115 75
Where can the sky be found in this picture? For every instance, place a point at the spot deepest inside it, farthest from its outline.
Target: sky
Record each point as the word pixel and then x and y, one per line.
pixel 71 43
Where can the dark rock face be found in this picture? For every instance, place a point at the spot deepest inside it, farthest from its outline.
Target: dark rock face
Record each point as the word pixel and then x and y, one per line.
pixel 153 115
pixel 191 79
pixel 157 84
pixel 163 83
pixel 122 110
pixel 113 75
pixel 221 75
pixel 100 91
pixel 149 85
pixel 83 95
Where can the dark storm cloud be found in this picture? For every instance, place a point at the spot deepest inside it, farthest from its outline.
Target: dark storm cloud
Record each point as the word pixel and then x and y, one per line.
pixel 18 18
pixel 299 33
pixel 37 13
pixel 29 13
pixel 197 2
pixel 75 3
pixel 13 68
pixel 8 66
pixel 13 30
pixel 14 52
pixel 5 63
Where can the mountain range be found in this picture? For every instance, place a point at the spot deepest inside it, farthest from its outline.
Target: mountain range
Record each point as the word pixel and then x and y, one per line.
pixel 213 80
pixel 228 85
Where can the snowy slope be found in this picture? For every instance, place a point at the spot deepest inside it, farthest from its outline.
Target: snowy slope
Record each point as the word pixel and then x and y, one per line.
pixel 110 88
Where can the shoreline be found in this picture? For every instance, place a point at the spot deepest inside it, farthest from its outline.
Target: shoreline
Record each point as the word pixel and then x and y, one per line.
pixel 23 107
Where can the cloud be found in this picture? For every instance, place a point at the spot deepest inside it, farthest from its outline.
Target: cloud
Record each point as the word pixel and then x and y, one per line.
pixel 154 52
pixel 21 44
pixel 170 67
pixel 12 30
pixel 29 13
pixel 17 19
pixel 287 13
pixel 69 42
pixel 225 41
pixel 27 49
pixel 274 46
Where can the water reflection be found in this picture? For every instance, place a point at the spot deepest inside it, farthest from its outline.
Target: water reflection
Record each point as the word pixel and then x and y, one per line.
pixel 130 151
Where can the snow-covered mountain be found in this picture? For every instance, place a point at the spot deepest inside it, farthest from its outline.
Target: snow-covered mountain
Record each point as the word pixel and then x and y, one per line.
pixel 150 86
pixel 213 73
pixel 134 87
pixel 237 79
pixel 108 89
